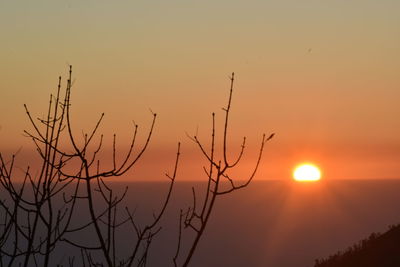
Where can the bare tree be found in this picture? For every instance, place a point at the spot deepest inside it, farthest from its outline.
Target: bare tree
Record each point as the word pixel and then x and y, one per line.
pixel 41 212
pixel 198 214
pixel 38 213
pixel 35 218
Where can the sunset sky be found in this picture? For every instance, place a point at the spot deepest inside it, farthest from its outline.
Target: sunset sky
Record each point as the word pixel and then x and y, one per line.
pixel 323 75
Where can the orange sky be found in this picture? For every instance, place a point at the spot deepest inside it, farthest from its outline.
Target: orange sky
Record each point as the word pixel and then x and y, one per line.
pixel 323 75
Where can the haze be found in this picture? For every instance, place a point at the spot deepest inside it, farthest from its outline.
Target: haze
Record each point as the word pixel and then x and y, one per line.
pixel 322 75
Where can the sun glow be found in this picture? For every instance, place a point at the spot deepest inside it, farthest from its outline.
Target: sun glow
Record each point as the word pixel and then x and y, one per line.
pixel 306 172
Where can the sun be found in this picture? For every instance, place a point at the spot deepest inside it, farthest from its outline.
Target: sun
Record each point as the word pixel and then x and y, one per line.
pixel 306 172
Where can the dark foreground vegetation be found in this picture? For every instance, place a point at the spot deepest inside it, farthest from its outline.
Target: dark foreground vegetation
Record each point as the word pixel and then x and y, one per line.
pixel 378 250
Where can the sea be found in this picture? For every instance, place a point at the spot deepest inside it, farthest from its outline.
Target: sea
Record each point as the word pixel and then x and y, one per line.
pixel 290 224
pixel 270 223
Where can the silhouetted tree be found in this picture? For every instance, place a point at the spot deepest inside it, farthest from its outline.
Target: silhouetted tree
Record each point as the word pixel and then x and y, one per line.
pixel 44 210
pixel 197 215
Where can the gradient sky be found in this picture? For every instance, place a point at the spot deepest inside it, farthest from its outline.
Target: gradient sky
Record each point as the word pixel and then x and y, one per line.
pixel 323 75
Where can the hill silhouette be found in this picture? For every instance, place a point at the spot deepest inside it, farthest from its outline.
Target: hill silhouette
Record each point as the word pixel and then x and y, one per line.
pixel 377 250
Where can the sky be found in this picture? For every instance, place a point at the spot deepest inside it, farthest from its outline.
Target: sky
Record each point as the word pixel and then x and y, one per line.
pixel 322 75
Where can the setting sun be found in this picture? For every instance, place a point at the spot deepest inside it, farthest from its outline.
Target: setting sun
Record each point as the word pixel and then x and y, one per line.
pixel 306 172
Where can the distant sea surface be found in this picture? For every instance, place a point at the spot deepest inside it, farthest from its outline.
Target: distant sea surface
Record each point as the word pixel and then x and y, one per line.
pixel 278 223
pixel 270 223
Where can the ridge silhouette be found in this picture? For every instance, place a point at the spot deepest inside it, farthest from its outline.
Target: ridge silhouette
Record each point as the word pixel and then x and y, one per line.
pixel 378 250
